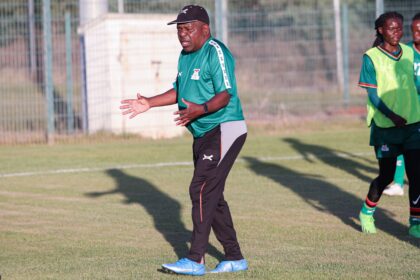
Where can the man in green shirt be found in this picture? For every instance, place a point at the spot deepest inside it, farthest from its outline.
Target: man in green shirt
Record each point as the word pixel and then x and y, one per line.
pixel 206 93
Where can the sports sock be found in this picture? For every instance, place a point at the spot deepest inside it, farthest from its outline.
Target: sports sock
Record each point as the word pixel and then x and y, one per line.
pixel 399 171
pixel 368 207
pixel 414 216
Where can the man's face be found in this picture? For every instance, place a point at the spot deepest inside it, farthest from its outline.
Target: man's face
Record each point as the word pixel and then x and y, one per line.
pixel 415 30
pixel 392 31
pixel 192 35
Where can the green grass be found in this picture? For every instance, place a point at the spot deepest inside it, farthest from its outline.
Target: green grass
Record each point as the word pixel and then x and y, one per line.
pixel 294 202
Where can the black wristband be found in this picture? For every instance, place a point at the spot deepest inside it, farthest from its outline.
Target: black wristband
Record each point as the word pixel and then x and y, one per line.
pixel 206 109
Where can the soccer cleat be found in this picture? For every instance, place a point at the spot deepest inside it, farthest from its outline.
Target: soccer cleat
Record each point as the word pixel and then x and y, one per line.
pixel 368 223
pixel 230 266
pixel 185 266
pixel 414 231
pixel 394 190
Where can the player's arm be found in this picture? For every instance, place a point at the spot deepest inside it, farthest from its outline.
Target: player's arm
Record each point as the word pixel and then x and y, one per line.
pixel 143 104
pixel 377 102
pixel 218 102
pixel 166 98
pixel 194 110
pixel 368 81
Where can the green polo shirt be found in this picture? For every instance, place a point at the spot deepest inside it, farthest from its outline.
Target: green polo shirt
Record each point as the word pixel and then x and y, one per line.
pixel 203 74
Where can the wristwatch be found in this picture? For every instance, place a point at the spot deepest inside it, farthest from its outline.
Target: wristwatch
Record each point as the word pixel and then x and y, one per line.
pixel 206 109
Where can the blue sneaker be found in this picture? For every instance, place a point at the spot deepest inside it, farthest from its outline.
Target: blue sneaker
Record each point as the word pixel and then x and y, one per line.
pixel 230 266
pixel 185 266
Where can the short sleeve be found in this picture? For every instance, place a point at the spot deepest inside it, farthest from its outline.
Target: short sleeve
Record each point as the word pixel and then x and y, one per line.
pixel 221 69
pixel 367 74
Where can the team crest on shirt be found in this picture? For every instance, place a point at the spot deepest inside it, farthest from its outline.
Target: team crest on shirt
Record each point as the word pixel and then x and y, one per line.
pixel 385 148
pixel 195 75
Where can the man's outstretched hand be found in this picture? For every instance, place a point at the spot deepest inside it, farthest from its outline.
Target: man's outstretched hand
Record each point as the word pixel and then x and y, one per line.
pixel 135 106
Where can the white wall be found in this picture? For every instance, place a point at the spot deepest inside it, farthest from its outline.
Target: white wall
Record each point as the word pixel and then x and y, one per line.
pixel 126 54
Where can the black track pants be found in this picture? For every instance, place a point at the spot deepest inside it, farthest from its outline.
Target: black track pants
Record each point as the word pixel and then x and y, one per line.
pixel 412 169
pixel 214 155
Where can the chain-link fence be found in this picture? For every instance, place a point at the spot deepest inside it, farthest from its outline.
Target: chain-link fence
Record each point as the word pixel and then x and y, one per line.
pixel 286 54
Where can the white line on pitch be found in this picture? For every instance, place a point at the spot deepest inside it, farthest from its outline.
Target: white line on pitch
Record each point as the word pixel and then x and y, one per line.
pixel 167 164
pixel 94 169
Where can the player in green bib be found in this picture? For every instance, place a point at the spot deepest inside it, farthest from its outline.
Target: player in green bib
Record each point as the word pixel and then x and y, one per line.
pixel 393 115
pixel 206 93
pixel 415 45
pixel 397 187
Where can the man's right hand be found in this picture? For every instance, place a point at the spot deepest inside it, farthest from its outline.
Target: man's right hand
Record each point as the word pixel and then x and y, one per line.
pixel 135 106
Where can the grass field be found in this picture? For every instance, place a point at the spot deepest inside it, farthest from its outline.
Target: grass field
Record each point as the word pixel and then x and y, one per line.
pixel 119 209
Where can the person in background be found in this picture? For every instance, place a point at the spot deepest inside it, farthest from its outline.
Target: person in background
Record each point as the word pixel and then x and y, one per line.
pixel 397 188
pixel 415 45
pixel 393 116
pixel 206 93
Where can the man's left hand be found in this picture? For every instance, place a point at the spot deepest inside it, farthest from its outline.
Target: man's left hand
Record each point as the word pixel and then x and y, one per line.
pixel 192 112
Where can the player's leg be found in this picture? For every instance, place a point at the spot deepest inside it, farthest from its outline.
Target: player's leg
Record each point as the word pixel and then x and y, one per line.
pixel 233 137
pixel 222 222
pixel 412 159
pixel 214 211
pixel 225 232
pixel 396 188
pixel 386 173
pixel 399 171
pixel 206 155
pixel 206 189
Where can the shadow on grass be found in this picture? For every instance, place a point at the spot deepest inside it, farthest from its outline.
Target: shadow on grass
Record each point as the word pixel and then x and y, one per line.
pixel 337 159
pixel 165 211
pixel 326 197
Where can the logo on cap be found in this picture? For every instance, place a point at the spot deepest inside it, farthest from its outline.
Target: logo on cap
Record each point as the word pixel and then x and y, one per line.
pixel 192 13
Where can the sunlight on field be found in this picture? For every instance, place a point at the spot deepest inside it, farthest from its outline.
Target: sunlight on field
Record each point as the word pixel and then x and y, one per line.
pixel 121 209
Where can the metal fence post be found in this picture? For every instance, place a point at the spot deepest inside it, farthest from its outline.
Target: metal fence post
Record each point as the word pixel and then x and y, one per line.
pixel 32 47
pixel 221 24
pixel 121 6
pixel 345 20
pixel 48 76
pixel 83 83
pixel 379 5
pixel 69 74
pixel 338 45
